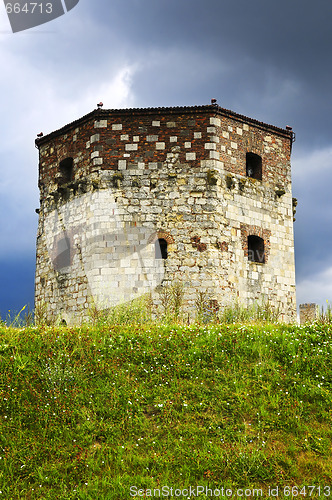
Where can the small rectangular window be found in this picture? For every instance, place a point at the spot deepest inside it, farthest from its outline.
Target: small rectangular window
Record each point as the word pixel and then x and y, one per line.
pixel 161 249
pixel 66 170
pixel 254 166
pixel 256 249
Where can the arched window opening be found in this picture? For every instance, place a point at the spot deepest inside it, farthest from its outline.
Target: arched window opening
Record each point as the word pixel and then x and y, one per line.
pixel 66 168
pixel 161 249
pixel 254 166
pixel 63 254
pixel 256 249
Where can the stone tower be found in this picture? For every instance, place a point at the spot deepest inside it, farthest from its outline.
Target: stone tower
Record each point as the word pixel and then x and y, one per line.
pixel 132 200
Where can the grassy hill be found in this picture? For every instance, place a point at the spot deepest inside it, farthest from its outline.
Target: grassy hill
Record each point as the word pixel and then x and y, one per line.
pixel 111 412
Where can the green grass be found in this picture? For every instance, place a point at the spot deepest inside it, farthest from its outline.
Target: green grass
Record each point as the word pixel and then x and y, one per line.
pixel 87 413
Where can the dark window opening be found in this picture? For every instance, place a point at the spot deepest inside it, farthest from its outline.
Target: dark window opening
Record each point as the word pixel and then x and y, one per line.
pixel 256 249
pixel 161 249
pixel 66 170
pixel 63 255
pixel 254 166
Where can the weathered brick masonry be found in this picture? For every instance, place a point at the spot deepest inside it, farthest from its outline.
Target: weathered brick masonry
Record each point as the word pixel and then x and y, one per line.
pixel 212 186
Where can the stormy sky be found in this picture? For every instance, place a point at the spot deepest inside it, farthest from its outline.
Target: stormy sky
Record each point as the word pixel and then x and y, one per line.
pixel 265 59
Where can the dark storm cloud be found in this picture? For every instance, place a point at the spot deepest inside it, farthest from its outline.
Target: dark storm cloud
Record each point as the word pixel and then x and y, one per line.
pixel 17 284
pixel 313 181
pixel 294 35
pixel 266 46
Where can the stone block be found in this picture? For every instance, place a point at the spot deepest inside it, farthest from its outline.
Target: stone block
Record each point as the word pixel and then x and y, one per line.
pixel 215 121
pixel 94 138
pixel 190 156
pixel 131 147
pixel 100 123
pixel 122 164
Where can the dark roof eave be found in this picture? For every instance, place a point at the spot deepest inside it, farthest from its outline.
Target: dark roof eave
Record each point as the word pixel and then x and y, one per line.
pixel 212 108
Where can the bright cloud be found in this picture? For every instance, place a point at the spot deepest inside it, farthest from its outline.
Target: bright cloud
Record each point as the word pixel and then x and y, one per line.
pixel 317 162
pixel 34 101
